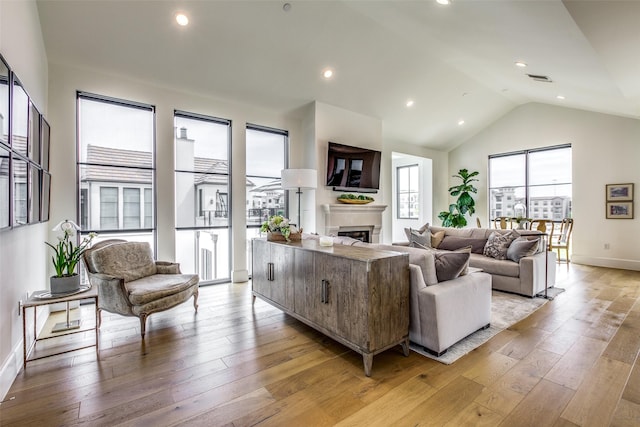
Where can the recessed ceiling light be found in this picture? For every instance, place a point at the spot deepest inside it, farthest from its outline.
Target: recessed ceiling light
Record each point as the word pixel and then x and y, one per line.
pixel 561 97
pixel 410 103
pixel 521 64
pixel 286 7
pixel 444 2
pixel 327 73
pixel 460 122
pixel 182 19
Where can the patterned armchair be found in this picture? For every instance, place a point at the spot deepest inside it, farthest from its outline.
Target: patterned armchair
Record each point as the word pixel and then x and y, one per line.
pixel 131 283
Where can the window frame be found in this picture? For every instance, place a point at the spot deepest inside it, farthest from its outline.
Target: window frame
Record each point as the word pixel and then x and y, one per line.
pixel 81 95
pixel 409 192
pixel 532 206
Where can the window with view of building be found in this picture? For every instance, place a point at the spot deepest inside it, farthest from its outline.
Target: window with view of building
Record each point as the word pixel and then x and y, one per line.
pixel 539 179
pixel 116 164
pixel 408 192
pixel 266 157
pixel 203 216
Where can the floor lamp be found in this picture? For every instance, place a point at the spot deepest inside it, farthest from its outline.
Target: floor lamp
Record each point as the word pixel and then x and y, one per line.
pixel 298 179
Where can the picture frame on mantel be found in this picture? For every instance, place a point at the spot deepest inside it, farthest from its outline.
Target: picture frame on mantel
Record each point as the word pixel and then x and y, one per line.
pixel 619 192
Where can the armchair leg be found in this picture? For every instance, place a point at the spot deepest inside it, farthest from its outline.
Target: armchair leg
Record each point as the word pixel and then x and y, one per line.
pixel 143 324
pixel 195 301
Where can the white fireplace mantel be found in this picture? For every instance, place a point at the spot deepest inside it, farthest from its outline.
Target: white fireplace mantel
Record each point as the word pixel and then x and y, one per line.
pixel 344 216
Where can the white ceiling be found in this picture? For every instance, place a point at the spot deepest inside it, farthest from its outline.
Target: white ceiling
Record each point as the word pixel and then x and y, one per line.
pixel 456 62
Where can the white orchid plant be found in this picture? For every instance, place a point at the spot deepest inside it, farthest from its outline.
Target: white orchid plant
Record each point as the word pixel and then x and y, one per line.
pixel 279 223
pixel 67 255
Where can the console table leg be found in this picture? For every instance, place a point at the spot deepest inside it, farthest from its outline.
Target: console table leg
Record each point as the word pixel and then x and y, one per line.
pixel 405 347
pixel 367 359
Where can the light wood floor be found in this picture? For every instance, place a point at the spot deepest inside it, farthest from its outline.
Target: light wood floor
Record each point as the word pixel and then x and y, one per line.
pixel 573 362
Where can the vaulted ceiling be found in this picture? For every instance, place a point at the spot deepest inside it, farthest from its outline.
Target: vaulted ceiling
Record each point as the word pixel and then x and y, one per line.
pixel 455 62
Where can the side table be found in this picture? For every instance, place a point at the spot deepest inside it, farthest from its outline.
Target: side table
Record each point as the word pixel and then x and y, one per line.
pixel 36 300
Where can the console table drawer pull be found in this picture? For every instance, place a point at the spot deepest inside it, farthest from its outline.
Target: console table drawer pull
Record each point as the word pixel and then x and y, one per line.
pixel 324 298
pixel 270 272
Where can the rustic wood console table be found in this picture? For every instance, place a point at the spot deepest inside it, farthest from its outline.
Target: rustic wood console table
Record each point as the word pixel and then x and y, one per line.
pixel 358 296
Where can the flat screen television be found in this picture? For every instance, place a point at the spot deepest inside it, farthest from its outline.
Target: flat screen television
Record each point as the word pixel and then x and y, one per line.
pixel 353 168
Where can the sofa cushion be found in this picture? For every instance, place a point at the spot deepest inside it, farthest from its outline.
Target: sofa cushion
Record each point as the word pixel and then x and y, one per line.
pixel 128 260
pixel 497 245
pixel 494 266
pixel 156 286
pixel 522 247
pixel 344 240
pixel 450 265
pixel 420 257
pixel 452 243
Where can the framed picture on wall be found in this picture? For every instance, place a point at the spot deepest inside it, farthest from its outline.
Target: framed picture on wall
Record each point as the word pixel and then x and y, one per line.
pixel 619 192
pixel 45 193
pixel 619 210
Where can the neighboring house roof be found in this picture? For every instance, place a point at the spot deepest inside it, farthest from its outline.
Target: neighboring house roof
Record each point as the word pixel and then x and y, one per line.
pixel 275 185
pixel 208 171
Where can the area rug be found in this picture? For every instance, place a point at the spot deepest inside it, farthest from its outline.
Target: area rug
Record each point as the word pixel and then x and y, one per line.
pixel 506 310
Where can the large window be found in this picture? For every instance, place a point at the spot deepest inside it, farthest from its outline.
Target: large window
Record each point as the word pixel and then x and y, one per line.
pixel 203 216
pixel 266 157
pixel 531 183
pixel 116 164
pixel 408 192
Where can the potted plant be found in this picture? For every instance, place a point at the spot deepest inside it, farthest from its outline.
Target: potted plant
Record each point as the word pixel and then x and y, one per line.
pixel 278 229
pixel 455 216
pixel 66 258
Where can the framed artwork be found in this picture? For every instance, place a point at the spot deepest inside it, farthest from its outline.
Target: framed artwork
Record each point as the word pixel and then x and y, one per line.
pixel 5 185
pixel 619 192
pixel 19 119
pixel 20 190
pixel 619 210
pixel 45 193
pixel 45 133
pixel 34 200
pixel 33 137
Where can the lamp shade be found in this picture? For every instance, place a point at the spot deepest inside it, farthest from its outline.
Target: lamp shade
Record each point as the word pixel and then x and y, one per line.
pixel 299 178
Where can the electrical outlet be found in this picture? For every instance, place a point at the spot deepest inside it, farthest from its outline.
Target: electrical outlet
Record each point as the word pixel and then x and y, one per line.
pixel 607 246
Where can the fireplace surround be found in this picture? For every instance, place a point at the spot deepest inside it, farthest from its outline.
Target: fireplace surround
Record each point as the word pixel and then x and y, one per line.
pixel 344 218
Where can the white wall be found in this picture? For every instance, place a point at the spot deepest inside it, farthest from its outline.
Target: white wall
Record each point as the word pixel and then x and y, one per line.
pixel 605 150
pixel 23 255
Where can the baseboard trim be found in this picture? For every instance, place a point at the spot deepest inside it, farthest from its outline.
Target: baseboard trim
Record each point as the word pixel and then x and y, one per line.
pixel 13 364
pixel 623 264
pixel 239 276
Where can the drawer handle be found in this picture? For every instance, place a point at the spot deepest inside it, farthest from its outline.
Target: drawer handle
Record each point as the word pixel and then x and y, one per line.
pixel 270 272
pixel 324 298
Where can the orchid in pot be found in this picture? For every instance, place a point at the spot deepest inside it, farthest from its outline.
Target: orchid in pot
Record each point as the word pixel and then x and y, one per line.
pixel 66 257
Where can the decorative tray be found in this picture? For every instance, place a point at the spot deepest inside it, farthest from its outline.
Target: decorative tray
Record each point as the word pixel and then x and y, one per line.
pixel 355 201
pixel 49 295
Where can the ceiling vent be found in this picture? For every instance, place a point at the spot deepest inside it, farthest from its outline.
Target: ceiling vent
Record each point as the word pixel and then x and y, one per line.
pixel 538 78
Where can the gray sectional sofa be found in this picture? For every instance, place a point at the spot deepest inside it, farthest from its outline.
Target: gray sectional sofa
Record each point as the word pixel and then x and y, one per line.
pixel 526 277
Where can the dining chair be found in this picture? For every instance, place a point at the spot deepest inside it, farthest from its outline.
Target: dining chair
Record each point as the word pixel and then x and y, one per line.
pixel 544 226
pixel 502 222
pixel 562 239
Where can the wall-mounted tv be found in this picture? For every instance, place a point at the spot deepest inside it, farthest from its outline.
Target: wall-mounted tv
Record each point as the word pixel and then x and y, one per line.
pixel 353 168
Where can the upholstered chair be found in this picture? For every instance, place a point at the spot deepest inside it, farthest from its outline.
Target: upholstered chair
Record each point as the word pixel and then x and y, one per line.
pixel 131 283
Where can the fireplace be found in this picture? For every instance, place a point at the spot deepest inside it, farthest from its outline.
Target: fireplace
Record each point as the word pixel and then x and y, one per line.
pixel 341 219
pixel 362 235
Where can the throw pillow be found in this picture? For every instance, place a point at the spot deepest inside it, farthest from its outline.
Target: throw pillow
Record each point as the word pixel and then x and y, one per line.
pixel 437 238
pixel 450 265
pixel 419 240
pixel 522 247
pixel 420 230
pixel 452 243
pixel 497 245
